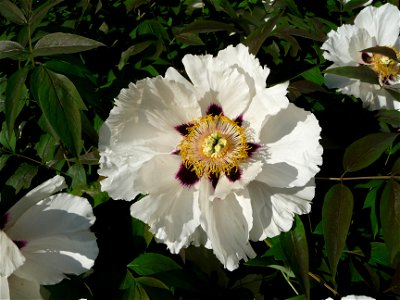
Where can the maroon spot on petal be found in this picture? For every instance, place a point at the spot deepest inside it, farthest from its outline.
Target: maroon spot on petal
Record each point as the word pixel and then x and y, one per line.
pixel 20 244
pixel 239 120
pixel 4 220
pixel 234 174
pixel 186 177
pixel 214 110
pixel 183 128
pixel 214 179
pixel 367 58
pixel 252 148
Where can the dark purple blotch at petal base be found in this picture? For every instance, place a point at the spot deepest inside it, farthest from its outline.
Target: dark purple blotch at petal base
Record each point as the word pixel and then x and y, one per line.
pixel 239 120
pixel 20 244
pixel 252 148
pixel 186 177
pixel 214 110
pixel 3 221
pixel 183 128
pixel 234 174
pixel 214 179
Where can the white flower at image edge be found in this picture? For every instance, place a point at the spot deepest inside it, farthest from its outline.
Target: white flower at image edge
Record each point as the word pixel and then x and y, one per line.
pixel 42 238
pixel 372 27
pixel 222 159
pixel 354 297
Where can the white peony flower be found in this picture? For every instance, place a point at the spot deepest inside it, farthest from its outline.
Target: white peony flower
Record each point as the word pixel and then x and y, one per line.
pixel 42 237
pixel 372 27
pixel 222 158
pixel 354 297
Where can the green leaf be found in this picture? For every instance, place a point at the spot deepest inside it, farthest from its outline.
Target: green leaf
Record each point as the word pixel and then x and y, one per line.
pixel 389 116
pixel 390 217
pixel 22 177
pixel 365 151
pixel 204 26
pixel 10 49
pixel 135 292
pixel 63 43
pixel 152 263
pixel 295 247
pixel 132 50
pixel 3 160
pixel 11 12
pixel 14 95
pixel 393 91
pixel 337 211
pixel 396 167
pixel 386 51
pixel 46 147
pixel 78 175
pixel 362 73
pixel 189 38
pixel 255 40
pixel 61 104
pixel 8 141
pixel 351 5
pixel 152 282
pixel 379 254
pixel 370 203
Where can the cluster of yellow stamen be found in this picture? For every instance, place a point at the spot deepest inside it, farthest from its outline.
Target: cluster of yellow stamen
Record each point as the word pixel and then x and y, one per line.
pixel 213 145
pixel 387 69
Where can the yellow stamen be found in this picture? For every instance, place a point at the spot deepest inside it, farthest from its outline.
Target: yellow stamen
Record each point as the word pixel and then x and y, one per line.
pixel 387 69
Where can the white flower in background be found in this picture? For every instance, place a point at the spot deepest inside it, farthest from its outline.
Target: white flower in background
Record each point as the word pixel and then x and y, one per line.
pixel 42 238
pixel 372 27
pixel 354 297
pixel 347 1
pixel 222 158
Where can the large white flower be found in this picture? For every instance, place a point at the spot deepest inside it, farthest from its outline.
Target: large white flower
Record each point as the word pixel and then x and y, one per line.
pixel 372 27
pixel 42 238
pixel 354 297
pixel 222 158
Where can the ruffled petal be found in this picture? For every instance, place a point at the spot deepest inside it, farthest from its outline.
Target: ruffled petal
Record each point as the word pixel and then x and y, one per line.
pixel 170 209
pixel 226 226
pixel 48 259
pixel 11 257
pixel 382 23
pixel 274 208
pixel 291 140
pixel 226 84
pixel 47 188
pixel 23 289
pixel 57 236
pixel 4 288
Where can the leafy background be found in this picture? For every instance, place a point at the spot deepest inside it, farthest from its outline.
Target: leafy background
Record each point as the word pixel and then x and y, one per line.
pixel 63 62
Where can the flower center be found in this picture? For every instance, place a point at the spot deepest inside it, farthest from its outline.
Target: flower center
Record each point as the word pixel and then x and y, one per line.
pixel 387 69
pixel 213 145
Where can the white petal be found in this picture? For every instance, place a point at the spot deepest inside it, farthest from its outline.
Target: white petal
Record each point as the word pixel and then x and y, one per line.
pixel 226 226
pixel 382 23
pixel 48 259
pixel 11 257
pixel 210 74
pixel 266 102
pixel 247 63
pixel 291 139
pixel 47 188
pixel 23 289
pixel 4 289
pixel 274 208
pixel 170 209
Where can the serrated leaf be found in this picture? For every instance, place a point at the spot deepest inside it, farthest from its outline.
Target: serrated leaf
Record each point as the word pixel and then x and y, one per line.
pixel 61 104
pixel 63 43
pixel 386 51
pixel 390 217
pixel 337 211
pixel 255 40
pixel 152 263
pixel 362 73
pixel 363 152
pixel 295 248
pixel 12 12
pixel 22 177
pixel 10 49
pixel 13 102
